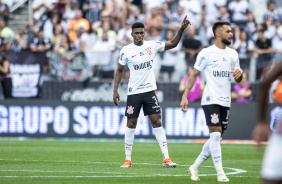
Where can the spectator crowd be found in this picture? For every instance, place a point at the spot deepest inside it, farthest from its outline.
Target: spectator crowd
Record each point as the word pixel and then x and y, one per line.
pixel 94 31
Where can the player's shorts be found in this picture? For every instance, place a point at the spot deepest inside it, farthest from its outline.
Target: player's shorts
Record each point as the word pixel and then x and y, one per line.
pixel 216 115
pixel 148 100
pixel 272 160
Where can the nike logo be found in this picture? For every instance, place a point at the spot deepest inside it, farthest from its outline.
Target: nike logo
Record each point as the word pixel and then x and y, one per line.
pixel 133 56
pixel 215 60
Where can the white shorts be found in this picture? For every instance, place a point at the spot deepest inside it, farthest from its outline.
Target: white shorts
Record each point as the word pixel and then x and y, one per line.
pixel 272 160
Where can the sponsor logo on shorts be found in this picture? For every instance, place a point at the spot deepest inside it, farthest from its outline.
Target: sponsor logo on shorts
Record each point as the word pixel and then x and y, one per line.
pixel 130 110
pixel 214 118
pixel 130 89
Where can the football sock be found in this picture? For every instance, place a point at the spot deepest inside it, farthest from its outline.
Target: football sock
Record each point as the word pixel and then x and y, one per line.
pixel 161 138
pixel 204 155
pixel 215 150
pixel 128 140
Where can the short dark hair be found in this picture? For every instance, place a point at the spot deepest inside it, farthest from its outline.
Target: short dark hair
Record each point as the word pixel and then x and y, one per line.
pixel 219 24
pixel 137 25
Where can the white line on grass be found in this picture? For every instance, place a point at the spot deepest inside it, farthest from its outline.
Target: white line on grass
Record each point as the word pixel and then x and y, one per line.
pixel 234 170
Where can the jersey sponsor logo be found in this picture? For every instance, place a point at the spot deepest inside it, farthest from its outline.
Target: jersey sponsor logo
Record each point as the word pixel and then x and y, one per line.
pixel 130 89
pixel 221 74
pixel 130 110
pixel 149 51
pixel 214 118
pixel 144 65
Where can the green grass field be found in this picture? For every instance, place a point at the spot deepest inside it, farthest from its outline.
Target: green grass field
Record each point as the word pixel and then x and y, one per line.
pixel 43 161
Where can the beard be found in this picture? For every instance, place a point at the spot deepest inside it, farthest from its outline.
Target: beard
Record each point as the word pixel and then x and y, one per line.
pixel 225 41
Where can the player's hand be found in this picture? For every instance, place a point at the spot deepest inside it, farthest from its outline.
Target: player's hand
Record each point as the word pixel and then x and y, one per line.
pixel 237 73
pixel 261 133
pixel 185 23
pixel 116 98
pixel 184 104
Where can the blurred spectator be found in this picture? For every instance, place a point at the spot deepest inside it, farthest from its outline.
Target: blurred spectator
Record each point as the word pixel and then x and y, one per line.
pixel 197 90
pixel 276 93
pixel 62 45
pixel 258 9
pixel 92 9
pixel 4 12
pixel 50 24
pixel 135 15
pixel 147 5
pixel 192 9
pixel 272 11
pixel 224 15
pixel 3 44
pixel 170 58
pixel 41 7
pixel 106 27
pixel 77 23
pixel 244 46
pixel 276 33
pixel 117 16
pixel 40 44
pixel 57 34
pixel 191 46
pixel 79 44
pixel 176 20
pixel 71 9
pixel 124 35
pixel 202 29
pixel 251 26
pixel 5 31
pixel 239 10
pixel 5 76
pixel 108 46
pixel 16 44
pixel 61 6
pixel 212 9
pixel 242 92
pixel 263 49
pixel 154 25
pixel 166 16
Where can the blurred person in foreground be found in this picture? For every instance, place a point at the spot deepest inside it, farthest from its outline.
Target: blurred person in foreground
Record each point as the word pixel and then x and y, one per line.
pixel 272 161
pixel 220 63
pixel 139 57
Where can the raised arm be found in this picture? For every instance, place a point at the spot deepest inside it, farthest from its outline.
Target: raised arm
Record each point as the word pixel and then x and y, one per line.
pixel 117 80
pixel 173 43
pixel 192 79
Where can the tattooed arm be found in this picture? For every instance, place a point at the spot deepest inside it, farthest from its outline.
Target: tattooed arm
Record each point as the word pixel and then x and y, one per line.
pixel 189 86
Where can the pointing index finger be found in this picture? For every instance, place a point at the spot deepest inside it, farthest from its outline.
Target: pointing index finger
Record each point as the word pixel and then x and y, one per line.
pixel 185 18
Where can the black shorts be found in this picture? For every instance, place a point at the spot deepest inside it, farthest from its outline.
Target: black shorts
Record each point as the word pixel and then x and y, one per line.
pixel 148 100
pixel 216 115
pixel 167 69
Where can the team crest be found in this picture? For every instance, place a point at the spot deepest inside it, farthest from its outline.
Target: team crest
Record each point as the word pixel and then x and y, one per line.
pixel 130 110
pixel 214 118
pixel 149 51
pixel 130 89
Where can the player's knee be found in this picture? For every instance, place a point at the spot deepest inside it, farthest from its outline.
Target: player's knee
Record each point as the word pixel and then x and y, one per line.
pixel 131 124
pixel 157 123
